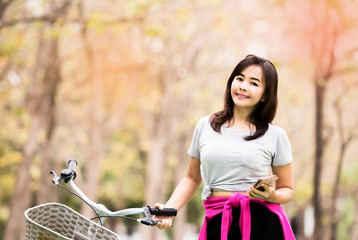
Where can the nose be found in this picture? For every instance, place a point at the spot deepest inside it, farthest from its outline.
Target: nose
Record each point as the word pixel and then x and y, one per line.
pixel 243 86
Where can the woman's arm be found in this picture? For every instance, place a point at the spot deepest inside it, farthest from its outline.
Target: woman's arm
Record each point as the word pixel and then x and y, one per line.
pixel 187 186
pixel 183 192
pixel 283 192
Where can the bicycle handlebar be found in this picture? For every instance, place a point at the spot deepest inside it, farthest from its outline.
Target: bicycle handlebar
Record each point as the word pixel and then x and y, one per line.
pixel 165 212
pixel 68 175
pixel 72 165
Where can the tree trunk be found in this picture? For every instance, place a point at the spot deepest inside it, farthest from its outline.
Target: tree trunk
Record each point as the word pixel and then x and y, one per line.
pixel 95 147
pixel 325 30
pixel 159 126
pixel 332 216
pixel 179 172
pixel 96 127
pixel 3 6
pixel 52 78
pixel 41 96
pixel 319 149
pixel 155 180
pixel 344 142
pixel 21 198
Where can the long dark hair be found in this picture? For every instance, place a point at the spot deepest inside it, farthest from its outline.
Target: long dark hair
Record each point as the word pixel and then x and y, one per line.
pixel 265 110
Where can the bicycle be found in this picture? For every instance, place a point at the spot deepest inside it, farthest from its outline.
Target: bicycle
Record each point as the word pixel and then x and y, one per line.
pixel 55 221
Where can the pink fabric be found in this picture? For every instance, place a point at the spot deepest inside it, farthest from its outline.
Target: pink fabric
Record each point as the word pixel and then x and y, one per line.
pixel 217 205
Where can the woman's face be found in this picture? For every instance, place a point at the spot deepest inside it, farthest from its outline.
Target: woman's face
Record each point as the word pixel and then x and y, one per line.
pixel 247 89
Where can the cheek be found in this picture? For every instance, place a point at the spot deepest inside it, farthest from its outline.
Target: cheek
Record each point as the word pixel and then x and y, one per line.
pixel 234 86
pixel 232 89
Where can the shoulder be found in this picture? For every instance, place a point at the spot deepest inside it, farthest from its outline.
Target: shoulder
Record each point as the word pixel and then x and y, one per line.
pixel 204 120
pixel 278 135
pixel 276 130
pixel 203 124
pixel 282 145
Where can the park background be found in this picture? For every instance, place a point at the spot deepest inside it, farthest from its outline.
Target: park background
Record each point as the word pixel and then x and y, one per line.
pixel 119 86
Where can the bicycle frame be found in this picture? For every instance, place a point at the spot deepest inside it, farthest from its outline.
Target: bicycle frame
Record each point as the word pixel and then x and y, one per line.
pixel 68 176
pixel 100 208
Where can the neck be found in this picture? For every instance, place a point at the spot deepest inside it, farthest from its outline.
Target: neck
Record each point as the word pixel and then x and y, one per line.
pixel 241 115
pixel 240 121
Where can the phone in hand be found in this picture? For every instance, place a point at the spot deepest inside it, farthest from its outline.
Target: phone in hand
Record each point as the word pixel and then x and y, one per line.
pixel 270 180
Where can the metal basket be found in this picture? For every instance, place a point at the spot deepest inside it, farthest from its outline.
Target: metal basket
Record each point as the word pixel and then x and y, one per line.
pixel 54 221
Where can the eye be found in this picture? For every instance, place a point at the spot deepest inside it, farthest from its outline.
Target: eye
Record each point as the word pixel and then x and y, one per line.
pixel 254 84
pixel 239 78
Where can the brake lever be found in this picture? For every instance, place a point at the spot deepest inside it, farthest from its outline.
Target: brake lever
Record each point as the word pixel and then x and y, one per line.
pixel 147 218
pixel 56 179
pixel 149 223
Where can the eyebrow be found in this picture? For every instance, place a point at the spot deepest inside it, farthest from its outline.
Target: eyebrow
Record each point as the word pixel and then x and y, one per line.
pixel 253 78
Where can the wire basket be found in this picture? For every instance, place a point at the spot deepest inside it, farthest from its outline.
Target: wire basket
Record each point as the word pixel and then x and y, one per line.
pixel 54 221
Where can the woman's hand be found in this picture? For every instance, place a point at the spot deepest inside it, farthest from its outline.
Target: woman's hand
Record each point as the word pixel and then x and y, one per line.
pixel 166 221
pixel 268 194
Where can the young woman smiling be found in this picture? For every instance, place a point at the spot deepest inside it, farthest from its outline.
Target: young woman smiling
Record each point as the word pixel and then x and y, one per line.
pixel 230 151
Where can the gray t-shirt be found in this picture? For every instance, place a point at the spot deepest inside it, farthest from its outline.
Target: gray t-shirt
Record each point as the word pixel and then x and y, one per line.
pixel 230 163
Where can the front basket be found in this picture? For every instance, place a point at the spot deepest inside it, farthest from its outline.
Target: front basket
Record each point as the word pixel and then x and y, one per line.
pixel 54 221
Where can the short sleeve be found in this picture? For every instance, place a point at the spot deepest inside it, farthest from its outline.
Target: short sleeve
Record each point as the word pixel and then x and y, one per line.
pixel 194 149
pixel 283 153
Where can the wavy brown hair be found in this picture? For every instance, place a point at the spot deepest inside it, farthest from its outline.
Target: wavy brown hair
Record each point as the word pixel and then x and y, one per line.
pixel 265 111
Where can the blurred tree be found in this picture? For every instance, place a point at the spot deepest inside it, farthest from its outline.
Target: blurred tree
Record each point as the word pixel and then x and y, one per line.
pixel 160 103
pixel 108 98
pixel 345 139
pixel 323 55
pixel 317 29
pixel 3 5
pixel 328 25
pixel 96 117
pixel 40 106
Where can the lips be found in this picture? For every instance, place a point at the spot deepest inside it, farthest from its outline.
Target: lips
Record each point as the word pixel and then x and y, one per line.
pixel 241 96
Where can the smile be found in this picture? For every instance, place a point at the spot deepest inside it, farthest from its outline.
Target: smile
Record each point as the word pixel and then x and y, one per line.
pixel 241 96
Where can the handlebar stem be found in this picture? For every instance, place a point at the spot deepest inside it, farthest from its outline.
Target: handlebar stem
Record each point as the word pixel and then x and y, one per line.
pixel 101 209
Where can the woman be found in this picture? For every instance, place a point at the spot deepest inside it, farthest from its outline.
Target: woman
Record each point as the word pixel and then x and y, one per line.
pixel 230 151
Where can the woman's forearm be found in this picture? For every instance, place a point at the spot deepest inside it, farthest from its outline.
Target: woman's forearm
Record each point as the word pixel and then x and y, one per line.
pixel 183 193
pixel 282 195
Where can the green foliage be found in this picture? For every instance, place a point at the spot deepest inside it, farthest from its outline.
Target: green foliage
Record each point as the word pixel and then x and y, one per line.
pixel 10 45
pixel 346 218
pixel 195 210
pixel 350 172
pixel 123 170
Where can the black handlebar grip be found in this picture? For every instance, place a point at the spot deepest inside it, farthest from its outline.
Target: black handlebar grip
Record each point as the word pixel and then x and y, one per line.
pixel 164 212
pixel 72 165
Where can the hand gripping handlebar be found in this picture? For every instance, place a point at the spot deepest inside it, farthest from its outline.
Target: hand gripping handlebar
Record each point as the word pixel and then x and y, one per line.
pixel 149 211
pixel 164 212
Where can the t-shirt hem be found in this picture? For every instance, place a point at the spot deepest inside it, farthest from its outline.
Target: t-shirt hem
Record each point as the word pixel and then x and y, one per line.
pixel 193 155
pixel 281 164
